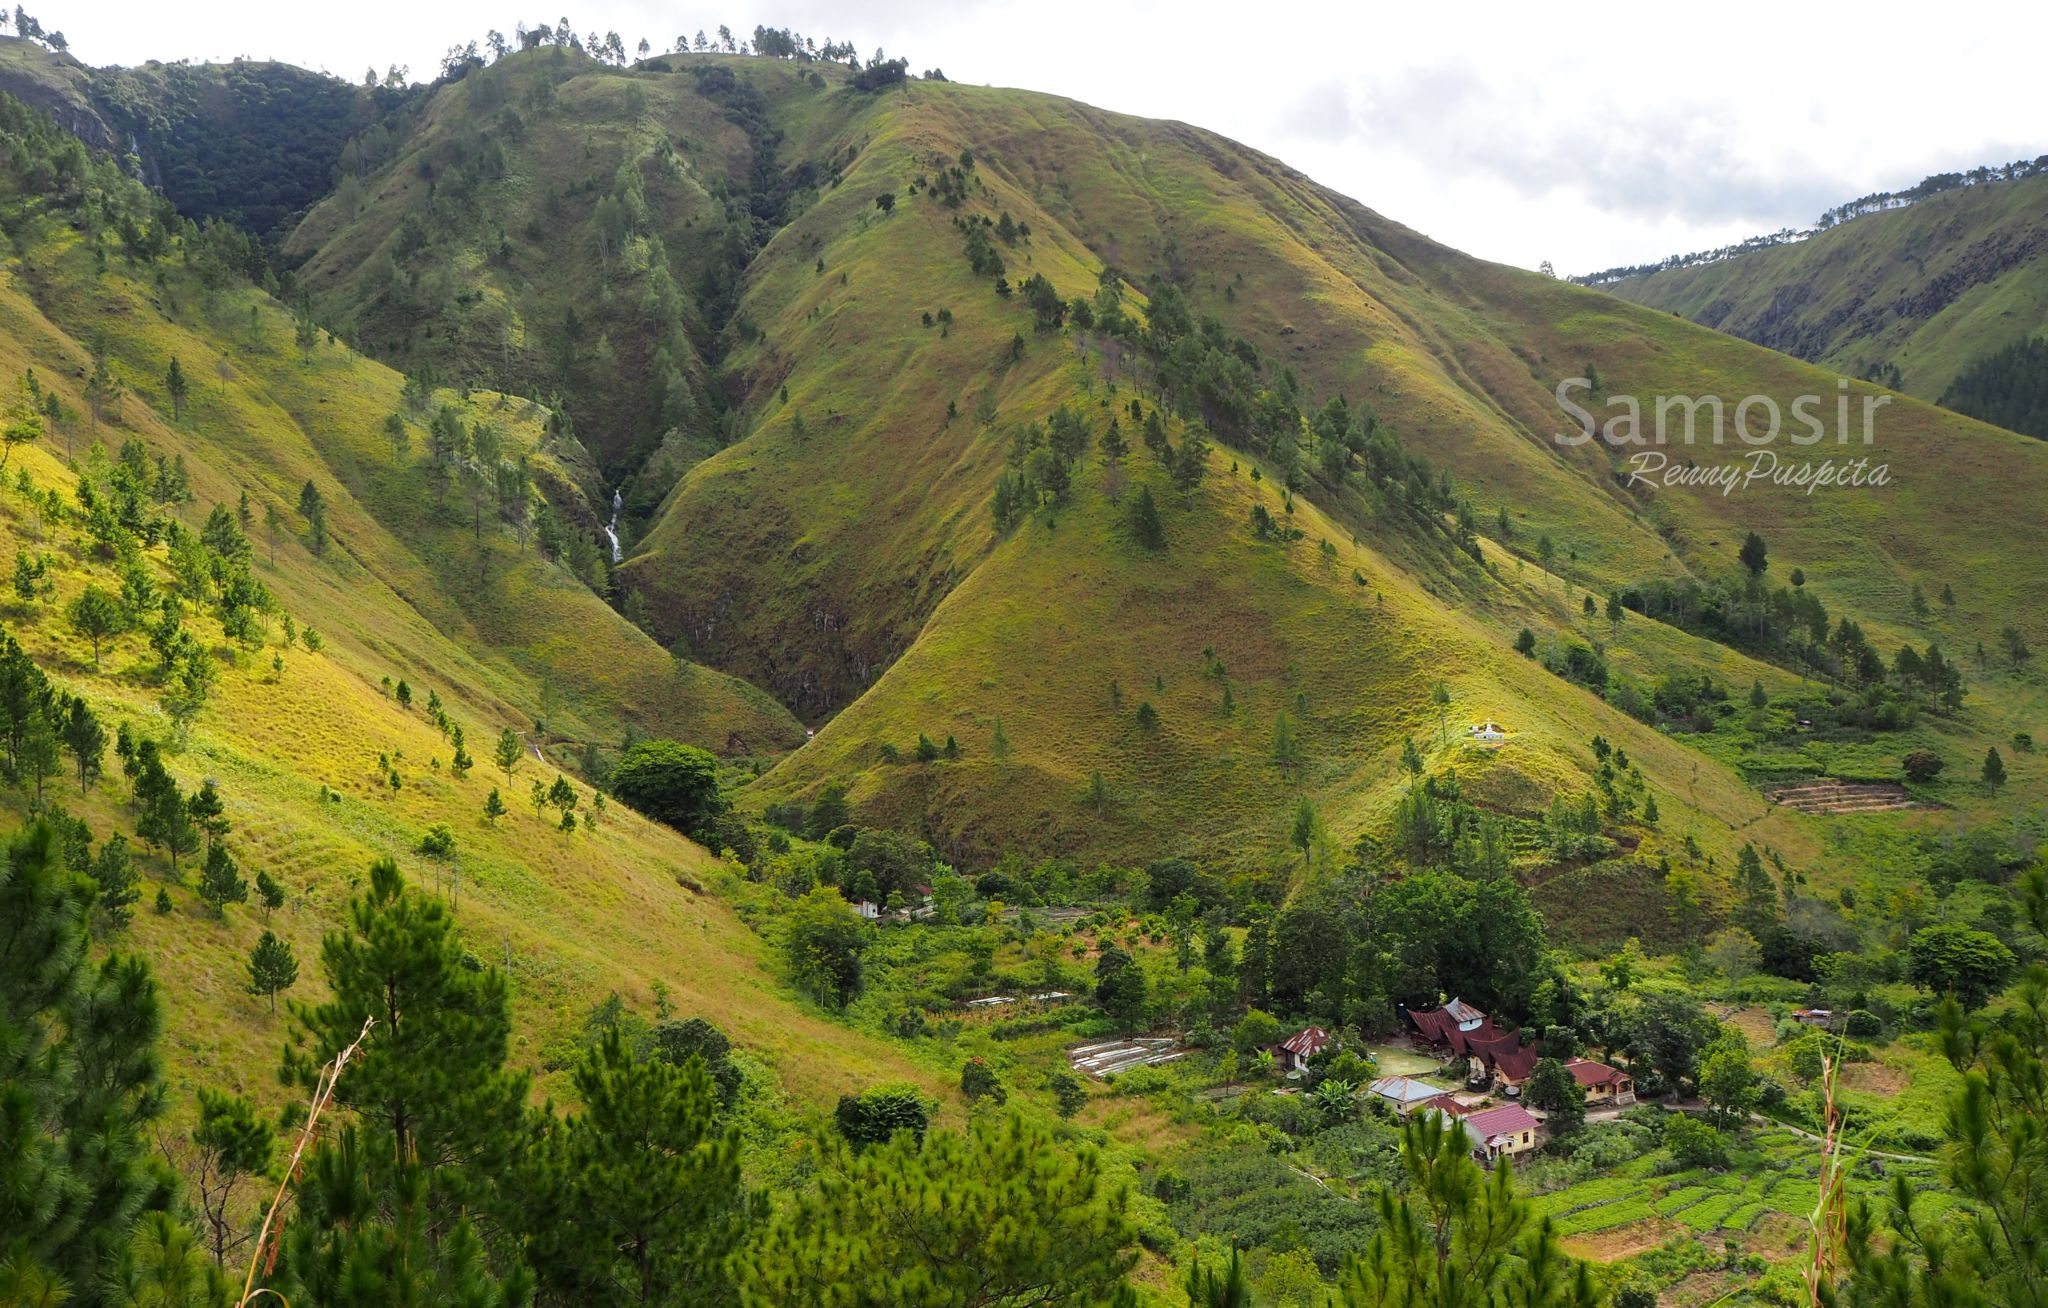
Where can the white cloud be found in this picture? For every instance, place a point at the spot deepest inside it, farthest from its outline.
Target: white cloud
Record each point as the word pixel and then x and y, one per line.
pixel 1595 135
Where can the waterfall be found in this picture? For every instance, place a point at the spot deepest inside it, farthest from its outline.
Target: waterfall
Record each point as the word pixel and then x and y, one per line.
pixel 611 529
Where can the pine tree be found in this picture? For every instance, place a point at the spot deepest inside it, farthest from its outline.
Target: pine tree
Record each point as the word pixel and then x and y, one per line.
pixel 176 387
pixel 999 1215
pixel 494 807
pixel 162 819
pixel 98 617
pixel 208 812
pixel 80 1076
pixel 1207 1290
pixel 220 881
pixel 507 753
pixel 638 1197
pixel 1457 1236
pixel 268 893
pixel 1286 748
pixel 1143 521
pixel 1994 768
pixel 87 741
pixel 1255 964
pixel 1411 757
pixel 113 871
pixel 231 1143
pixel 431 1087
pixel 272 967
pixel 1307 827
pixel 313 508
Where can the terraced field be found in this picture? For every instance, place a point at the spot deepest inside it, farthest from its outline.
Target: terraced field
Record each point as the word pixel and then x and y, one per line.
pixel 1843 797
pixel 1777 1172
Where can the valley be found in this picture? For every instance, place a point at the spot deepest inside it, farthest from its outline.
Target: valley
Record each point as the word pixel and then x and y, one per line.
pixel 880 652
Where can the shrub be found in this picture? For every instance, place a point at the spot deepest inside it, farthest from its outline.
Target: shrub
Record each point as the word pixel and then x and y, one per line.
pixel 1256 1030
pixel 873 1116
pixel 1922 765
pixel 670 782
pixel 1693 1143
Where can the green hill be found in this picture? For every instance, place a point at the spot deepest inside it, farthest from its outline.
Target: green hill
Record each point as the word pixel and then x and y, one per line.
pixel 303 744
pixel 1076 492
pixel 1914 296
pixel 254 142
pixel 816 512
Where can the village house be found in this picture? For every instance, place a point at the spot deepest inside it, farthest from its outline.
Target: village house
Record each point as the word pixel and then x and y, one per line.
pixel 1494 1058
pixel 1603 1085
pixel 1488 732
pixel 1445 1104
pixel 1498 1133
pixel 1294 1052
pixel 1821 1017
pixel 1405 1093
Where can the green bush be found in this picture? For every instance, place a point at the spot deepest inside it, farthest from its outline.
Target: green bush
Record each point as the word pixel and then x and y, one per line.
pixel 672 783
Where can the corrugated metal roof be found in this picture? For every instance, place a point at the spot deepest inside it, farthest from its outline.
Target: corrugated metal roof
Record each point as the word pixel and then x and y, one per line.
pixel 1404 1089
pixel 1308 1041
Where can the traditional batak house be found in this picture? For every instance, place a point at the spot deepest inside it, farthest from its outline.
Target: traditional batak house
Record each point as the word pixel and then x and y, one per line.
pixel 1493 1057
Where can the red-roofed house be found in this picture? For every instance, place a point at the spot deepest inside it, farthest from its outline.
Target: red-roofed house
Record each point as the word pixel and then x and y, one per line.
pixel 1467 1017
pixel 1444 1104
pixel 1452 1027
pixel 1602 1084
pixel 1499 1132
pixel 1511 1067
pixel 1294 1052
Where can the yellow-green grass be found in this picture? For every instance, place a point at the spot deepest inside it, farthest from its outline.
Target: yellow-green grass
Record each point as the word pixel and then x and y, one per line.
pixel 847 563
pixel 580 914
pixel 809 560
pixel 407 580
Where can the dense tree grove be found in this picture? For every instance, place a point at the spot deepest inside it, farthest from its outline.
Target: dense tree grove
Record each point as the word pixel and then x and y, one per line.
pixel 2008 387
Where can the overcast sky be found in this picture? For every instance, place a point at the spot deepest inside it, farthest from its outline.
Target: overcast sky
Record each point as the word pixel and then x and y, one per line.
pixel 1609 134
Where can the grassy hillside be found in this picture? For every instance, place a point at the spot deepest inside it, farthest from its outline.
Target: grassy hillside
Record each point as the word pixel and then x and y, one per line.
pixel 844 550
pixel 810 398
pixel 1928 289
pixel 553 226
pixel 303 744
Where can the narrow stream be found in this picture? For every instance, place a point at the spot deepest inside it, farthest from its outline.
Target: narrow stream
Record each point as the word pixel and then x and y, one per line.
pixel 611 529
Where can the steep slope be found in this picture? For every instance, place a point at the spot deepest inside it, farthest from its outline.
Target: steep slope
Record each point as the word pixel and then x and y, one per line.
pixel 254 142
pixel 553 226
pixel 321 766
pixel 814 552
pixel 1927 290
pixel 842 548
